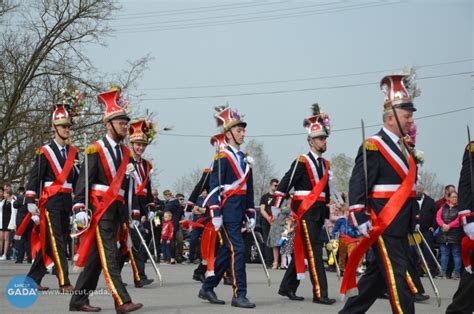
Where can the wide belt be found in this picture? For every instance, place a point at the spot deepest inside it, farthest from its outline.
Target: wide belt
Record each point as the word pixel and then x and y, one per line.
pixel 387 190
pixel 65 188
pixel 301 195
pixel 100 189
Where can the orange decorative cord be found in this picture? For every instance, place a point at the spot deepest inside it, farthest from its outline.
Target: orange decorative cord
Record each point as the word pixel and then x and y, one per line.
pixel 57 260
pixel 312 266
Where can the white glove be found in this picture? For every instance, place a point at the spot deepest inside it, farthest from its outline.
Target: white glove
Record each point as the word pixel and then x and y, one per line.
pixel 417 228
pixel 33 209
pixel 151 215
pixel 82 219
pixel 130 168
pixel 251 223
pixel 134 223
pixel 365 228
pixel 469 230
pixel 35 219
pixel 217 222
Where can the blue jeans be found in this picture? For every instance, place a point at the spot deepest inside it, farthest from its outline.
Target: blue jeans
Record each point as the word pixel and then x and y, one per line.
pixel 166 249
pixel 453 249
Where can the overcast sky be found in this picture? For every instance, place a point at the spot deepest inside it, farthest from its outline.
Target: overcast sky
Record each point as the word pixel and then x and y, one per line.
pixel 276 58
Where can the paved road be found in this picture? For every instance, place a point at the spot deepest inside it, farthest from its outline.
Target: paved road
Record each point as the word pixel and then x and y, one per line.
pixel 179 294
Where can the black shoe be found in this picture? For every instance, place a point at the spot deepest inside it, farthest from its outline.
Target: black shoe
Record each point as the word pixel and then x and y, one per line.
pixel 18 262
pixel 228 281
pixel 324 300
pixel 199 277
pixel 242 302
pixel 210 296
pixel 419 297
pixel 143 282
pixel 291 295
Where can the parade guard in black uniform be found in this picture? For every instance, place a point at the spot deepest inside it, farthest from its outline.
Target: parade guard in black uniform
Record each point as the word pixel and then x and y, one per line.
pixel 463 301
pixel 141 135
pixel 309 176
pixel 52 179
pixel 107 175
pixel 383 204
pixel 232 204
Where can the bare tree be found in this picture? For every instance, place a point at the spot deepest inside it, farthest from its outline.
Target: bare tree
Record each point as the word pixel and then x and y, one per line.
pixel 263 170
pixel 341 166
pixel 186 183
pixel 41 54
pixel 432 186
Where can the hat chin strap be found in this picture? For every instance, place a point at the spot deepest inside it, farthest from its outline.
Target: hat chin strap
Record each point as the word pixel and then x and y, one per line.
pixel 57 132
pixel 118 136
pixel 232 133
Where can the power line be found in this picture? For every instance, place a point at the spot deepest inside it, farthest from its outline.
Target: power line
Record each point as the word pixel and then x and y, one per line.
pixel 294 90
pixel 300 79
pixel 209 18
pixel 332 131
pixel 213 8
pixel 254 19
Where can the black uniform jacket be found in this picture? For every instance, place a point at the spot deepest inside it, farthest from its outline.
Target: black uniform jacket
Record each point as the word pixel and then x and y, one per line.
pixel 42 174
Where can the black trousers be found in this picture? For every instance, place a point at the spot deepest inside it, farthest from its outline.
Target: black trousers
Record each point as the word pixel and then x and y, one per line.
pixel 310 231
pixel 136 256
pixel 57 228
pixel 463 302
pixel 387 272
pixel 268 251
pixel 23 245
pixel 102 257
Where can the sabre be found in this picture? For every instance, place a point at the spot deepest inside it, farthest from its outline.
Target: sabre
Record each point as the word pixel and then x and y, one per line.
pixel 471 167
pixel 152 224
pixel 429 250
pixel 364 157
pixel 338 270
pixel 433 285
pixel 157 271
pixel 269 282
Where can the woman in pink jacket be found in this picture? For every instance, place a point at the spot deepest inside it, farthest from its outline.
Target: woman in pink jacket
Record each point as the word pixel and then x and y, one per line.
pixel 450 235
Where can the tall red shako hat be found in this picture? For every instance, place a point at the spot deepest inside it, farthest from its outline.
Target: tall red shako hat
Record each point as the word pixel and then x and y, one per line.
pixel 400 90
pixel 115 104
pixel 141 131
pixel 227 118
pixel 61 115
pixel 318 124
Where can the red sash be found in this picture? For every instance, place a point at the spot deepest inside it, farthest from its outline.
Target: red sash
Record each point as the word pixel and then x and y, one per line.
pixel 52 190
pixel 466 246
pixel 22 227
pixel 379 223
pixel 304 207
pixel 88 237
pixel 142 186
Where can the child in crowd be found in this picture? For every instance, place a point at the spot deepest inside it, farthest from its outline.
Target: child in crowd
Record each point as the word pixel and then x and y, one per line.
pixel 348 236
pixel 287 248
pixel 167 236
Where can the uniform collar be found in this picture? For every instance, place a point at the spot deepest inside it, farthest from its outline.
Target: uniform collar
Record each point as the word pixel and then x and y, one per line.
pixel 316 157
pixel 394 137
pixel 111 141
pixel 58 145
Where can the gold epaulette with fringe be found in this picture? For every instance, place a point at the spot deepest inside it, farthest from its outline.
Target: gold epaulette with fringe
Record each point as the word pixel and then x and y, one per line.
pixel 39 151
pixel 470 147
pixel 218 156
pixel 370 146
pixel 301 159
pixel 92 149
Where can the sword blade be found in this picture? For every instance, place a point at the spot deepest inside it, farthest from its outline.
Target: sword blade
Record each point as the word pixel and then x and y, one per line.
pixel 269 282
pixel 157 270
pixel 364 157
pixel 471 167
